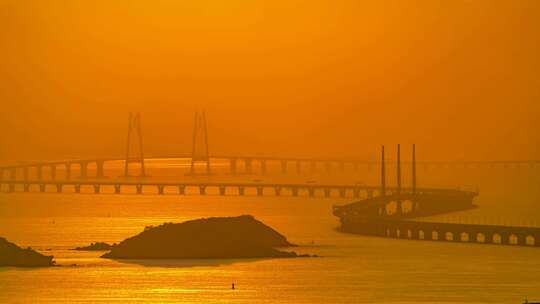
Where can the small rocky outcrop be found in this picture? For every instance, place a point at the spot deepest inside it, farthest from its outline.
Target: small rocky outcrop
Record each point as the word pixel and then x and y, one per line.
pixel 13 255
pixel 217 238
pixel 97 246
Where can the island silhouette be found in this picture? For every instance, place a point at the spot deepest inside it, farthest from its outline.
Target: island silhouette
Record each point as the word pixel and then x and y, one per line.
pixel 13 255
pixel 97 246
pixel 208 238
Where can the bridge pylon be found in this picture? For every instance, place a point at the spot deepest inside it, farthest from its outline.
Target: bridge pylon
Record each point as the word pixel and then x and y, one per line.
pixel 413 169
pixel 383 174
pixel 200 154
pixel 134 125
pixel 398 168
pixel 399 207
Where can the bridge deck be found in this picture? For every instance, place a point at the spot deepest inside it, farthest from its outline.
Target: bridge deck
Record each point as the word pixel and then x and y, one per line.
pixel 365 217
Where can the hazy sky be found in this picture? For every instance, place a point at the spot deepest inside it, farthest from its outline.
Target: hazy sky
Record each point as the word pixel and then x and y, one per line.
pixel 314 78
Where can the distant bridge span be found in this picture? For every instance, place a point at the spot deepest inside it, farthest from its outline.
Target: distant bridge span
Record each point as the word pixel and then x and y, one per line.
pixel 200 136
pixel 202 187
pixel 21 169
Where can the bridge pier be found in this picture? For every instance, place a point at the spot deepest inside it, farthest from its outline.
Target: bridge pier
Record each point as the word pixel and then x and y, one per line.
pixel 77 188
pixel 222 190
pixel 97 188
pixel 233 165
pixel 68 171
pixel 263 167
pixel 161 189
pixel 521 240
pixel 99 169
pixel 248 165
pixel 139 188
pixel 294 191
pixel 505 238
pixel 84 169
pixel 327 192
pixel 202 190
pixel 117 188
pixel 182 189
pixel 53 172
pixel 39 172
pixel 260 191
pixel 369 193
pixel 400 233
pixel 277 190
pixel 42 187
pixel 490 238
pixel 26 187
pixel 241 190
pixel 59 188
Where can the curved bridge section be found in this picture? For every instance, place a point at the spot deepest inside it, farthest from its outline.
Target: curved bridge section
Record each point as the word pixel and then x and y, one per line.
pixel 394 216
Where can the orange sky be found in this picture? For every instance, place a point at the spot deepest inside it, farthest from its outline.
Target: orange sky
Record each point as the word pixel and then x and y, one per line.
pixel 313 78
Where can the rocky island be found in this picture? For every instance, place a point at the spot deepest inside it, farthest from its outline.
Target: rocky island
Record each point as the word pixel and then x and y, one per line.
pixel 13 255
pixel 97 246
pixel 208 238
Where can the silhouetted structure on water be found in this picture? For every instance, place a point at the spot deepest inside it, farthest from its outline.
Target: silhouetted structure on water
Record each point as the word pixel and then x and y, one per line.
pixel 22 170
pixel 390 214
pixel 13 255
pixel 209 238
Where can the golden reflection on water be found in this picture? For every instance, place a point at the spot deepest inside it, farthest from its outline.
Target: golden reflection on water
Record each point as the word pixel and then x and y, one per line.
pixel 351 268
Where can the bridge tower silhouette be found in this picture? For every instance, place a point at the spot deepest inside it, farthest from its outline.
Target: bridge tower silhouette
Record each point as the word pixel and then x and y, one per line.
pixel 134 125
pixel 383 174
pixel 200 151
pixel 413 169
pixel 413 178
pixel 398 173
pixel 399 207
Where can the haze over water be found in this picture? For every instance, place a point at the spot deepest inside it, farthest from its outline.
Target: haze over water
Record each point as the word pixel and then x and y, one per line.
pixel 282 78
pixel 351 269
